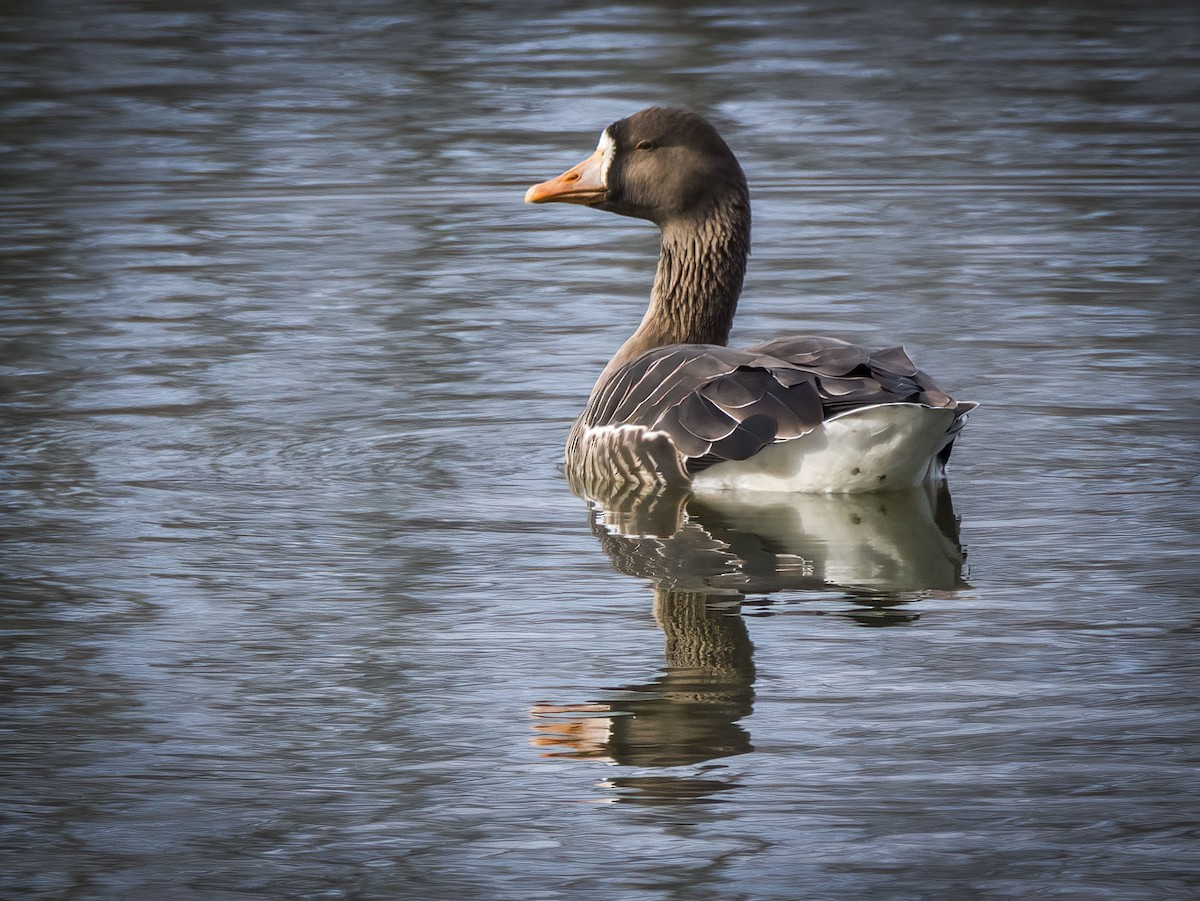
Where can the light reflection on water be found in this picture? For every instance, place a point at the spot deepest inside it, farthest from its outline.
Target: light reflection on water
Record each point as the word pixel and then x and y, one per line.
pixel 287 560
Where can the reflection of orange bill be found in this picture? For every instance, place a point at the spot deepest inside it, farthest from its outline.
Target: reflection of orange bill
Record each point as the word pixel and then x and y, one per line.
pixel 552 709
pixel 572 736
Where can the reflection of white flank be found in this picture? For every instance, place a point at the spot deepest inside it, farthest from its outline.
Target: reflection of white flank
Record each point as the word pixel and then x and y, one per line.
pixel 881 542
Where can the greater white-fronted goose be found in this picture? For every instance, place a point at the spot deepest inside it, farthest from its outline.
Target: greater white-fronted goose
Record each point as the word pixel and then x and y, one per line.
pixel 674 405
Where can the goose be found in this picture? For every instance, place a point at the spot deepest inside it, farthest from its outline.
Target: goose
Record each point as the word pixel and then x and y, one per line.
pixel 677 406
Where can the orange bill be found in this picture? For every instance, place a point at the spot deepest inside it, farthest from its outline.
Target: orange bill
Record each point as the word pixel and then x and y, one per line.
pixel 583 183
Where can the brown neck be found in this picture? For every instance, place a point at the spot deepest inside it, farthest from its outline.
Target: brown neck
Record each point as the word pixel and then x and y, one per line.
pixel 700 269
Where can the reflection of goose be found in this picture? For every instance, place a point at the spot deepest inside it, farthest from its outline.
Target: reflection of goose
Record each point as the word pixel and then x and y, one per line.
pixel 704 556
pixel 675 405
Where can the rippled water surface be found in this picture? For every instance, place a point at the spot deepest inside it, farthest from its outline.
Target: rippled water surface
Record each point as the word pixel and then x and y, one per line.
pixel 297 603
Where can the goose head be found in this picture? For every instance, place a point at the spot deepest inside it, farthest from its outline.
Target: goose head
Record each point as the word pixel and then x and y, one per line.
pixel 664 165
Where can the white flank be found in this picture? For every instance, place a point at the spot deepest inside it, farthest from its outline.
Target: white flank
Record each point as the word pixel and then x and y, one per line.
pixel 878 448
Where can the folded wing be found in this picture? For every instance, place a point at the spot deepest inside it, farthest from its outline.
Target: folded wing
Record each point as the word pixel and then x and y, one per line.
pixel 717 404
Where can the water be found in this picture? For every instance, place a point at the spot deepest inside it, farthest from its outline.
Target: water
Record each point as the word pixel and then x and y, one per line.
pixel 297 603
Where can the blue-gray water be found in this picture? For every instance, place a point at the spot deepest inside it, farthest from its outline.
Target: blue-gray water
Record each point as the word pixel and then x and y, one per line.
pixel 296 603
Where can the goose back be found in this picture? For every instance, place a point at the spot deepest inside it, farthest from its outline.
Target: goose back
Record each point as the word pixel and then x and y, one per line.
pixel 677 410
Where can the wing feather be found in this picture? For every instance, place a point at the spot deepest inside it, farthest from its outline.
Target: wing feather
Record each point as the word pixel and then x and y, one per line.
pixel 703 418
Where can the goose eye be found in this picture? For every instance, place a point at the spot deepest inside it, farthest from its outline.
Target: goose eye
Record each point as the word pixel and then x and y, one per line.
pixel 645 145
